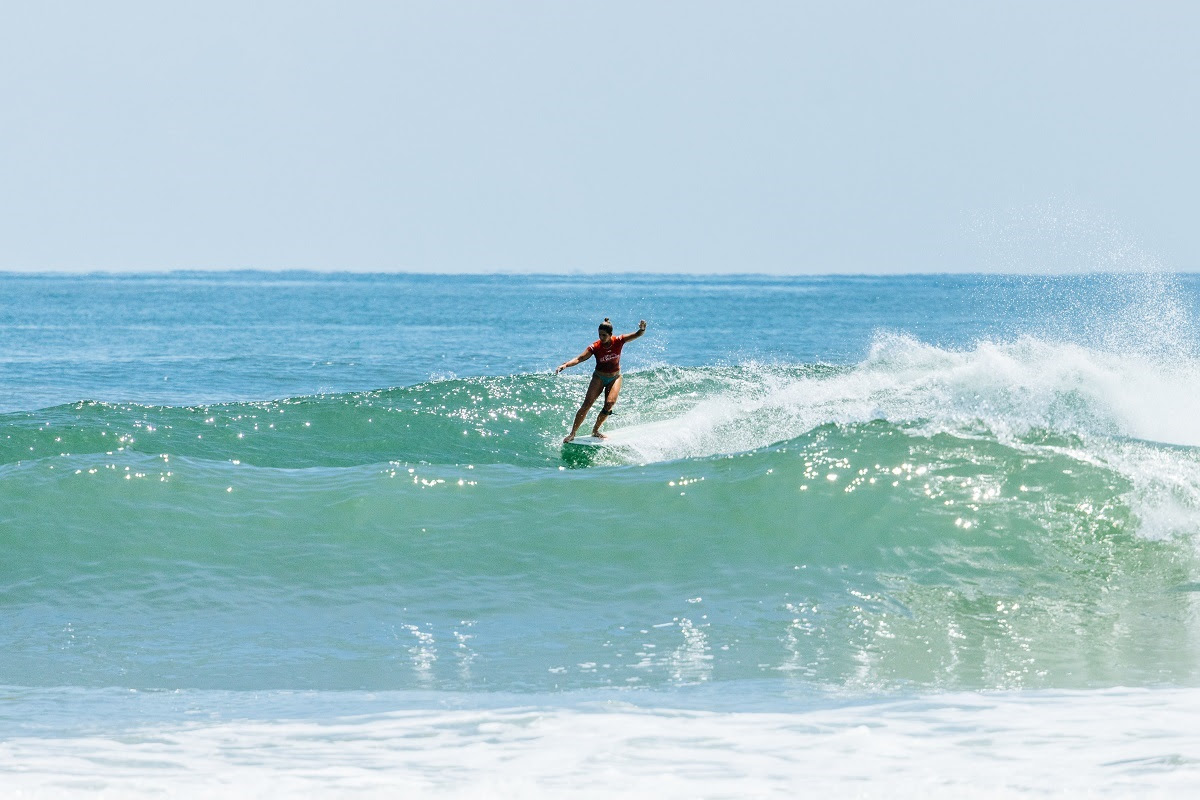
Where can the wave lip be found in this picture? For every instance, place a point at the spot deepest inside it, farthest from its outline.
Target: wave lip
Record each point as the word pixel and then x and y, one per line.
pixel 1014 391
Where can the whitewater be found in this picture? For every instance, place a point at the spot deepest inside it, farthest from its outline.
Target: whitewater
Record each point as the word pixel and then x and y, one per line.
pixel 864 537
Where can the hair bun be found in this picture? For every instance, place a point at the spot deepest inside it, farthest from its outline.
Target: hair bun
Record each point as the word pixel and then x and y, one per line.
pixel 606 319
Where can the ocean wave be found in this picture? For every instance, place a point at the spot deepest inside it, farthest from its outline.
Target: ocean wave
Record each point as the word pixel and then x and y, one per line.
pixel 1127 414
pixel 859 554
pixel 1006 388
pixel 992 517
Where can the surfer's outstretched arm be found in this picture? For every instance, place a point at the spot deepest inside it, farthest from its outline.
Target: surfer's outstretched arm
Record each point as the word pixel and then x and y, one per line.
pixel 579 359
pixel 629 337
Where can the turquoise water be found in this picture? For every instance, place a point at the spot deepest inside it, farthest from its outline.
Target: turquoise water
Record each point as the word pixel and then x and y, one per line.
pixel 287 496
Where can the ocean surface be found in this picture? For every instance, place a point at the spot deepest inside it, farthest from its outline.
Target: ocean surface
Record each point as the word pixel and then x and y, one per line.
pixel 293 533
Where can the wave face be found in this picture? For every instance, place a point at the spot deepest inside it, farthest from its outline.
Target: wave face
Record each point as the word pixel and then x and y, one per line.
pixel 1012 513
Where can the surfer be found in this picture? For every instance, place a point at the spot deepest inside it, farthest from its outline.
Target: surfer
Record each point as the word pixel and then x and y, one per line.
pixel 606 378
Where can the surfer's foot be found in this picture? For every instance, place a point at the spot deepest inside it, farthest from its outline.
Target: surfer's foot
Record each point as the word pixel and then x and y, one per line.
pixel 569 438
pixel 598 435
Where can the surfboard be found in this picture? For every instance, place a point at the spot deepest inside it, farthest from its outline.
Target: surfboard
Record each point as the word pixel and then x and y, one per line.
pixel 590 441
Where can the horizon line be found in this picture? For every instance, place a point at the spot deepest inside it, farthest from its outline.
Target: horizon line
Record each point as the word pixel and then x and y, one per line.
pixel 214 271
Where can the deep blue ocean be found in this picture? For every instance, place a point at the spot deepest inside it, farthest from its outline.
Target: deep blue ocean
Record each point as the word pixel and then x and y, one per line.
pixel 298 533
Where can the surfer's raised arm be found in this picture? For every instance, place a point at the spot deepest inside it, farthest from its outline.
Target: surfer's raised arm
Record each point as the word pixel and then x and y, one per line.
pixel 641 329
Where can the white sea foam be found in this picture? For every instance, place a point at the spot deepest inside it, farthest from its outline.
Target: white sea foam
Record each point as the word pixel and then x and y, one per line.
pixel 1130 412
pixel 1112 743
pixel 1008 388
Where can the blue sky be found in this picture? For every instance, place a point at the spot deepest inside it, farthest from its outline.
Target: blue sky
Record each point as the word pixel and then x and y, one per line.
pixel 786 137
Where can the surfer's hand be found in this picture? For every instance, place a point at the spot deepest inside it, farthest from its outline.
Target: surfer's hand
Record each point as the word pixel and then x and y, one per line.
pixel 641 326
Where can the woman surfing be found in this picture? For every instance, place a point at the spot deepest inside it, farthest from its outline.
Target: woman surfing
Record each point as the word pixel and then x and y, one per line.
pixel 607 377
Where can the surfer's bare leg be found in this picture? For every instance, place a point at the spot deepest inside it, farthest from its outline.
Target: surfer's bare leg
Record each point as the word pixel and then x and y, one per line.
pixel 593 391
pixel 610 400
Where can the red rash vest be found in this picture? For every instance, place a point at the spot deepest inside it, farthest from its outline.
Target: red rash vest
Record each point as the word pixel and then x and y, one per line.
pixel 608 358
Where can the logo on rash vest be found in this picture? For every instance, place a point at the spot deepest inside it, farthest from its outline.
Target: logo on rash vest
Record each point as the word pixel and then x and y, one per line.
pixel 608 356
